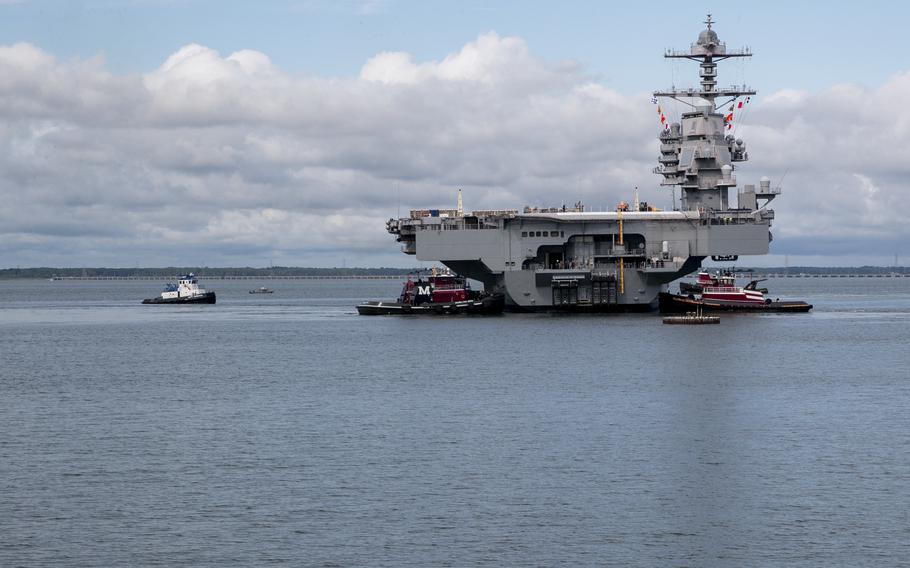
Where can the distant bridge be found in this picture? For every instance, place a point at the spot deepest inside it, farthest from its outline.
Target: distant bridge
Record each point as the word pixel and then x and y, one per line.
pixel 829 275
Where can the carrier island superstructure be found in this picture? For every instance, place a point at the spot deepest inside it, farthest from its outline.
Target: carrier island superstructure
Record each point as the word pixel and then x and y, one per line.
pixel 566 258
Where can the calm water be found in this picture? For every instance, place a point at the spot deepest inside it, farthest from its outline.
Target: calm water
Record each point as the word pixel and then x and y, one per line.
pixel 285 429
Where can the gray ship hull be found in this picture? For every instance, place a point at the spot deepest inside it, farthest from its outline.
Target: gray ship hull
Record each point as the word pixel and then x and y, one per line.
pixel 574 261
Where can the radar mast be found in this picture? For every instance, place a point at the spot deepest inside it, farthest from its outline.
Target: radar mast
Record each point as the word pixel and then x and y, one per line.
pixel 696 153
pixel 708 51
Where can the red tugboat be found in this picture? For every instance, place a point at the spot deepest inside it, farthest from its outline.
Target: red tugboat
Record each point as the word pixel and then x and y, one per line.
pixel 720 293
pixel 441 293
pixel 707 280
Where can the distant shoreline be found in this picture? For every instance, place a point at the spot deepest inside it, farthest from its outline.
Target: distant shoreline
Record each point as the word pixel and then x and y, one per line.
pixel 310 273
pixel 170 272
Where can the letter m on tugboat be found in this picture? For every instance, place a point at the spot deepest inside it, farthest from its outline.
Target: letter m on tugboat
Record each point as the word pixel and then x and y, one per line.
pixel 442 292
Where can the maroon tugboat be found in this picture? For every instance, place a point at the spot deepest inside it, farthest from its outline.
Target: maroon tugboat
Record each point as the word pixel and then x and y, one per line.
pixel 720 293
pixel 708 280
pixel 440 293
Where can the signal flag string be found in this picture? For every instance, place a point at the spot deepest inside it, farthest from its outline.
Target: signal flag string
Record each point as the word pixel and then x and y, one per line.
pixel 744 106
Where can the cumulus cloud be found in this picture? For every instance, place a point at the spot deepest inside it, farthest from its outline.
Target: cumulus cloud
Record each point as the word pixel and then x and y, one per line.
pixel 490 60
pixel 234 160
pixel 840 154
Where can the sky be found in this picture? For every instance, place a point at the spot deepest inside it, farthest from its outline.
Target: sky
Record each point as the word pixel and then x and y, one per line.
pixel 195 132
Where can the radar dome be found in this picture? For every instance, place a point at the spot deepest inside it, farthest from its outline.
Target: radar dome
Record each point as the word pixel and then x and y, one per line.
pixel 707 37
pixel 703 105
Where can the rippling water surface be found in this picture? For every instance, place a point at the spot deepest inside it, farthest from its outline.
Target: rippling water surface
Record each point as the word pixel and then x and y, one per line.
pixel 285 429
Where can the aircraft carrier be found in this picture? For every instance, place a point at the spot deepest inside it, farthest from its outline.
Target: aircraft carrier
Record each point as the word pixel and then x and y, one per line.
pixel 566 258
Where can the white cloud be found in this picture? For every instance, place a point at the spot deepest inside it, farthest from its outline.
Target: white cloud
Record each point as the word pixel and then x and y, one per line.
pixel 369 7
pixel 490 60
pixel 842 155
pixel 246 161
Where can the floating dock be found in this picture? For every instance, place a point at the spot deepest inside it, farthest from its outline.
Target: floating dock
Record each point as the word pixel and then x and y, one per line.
pixel 692 318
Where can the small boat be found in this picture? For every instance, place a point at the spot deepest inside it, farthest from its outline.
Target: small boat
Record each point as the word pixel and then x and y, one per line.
pixel 186 291
pixel 720 293
pixel 441 293
pixel 262 290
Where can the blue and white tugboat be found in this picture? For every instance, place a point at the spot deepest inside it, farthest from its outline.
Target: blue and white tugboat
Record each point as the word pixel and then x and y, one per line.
pixel 186 291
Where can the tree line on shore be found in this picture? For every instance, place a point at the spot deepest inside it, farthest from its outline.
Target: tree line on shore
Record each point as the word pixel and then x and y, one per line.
pixel 206 272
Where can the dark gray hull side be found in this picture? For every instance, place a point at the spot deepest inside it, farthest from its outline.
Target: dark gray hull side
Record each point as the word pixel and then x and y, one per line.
pixel 207 298
pixel 675 304
pixel 490 305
